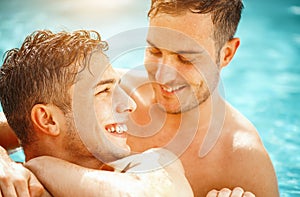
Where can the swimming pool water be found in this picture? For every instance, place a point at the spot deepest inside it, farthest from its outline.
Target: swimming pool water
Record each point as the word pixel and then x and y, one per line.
pixel 267 71
pixel 263 81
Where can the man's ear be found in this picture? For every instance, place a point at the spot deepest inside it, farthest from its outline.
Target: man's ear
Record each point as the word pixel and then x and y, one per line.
pixel 44 118
pixel 228 51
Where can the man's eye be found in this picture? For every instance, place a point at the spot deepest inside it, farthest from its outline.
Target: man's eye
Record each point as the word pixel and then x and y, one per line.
pixel 184 60
pixel 106 90
pixel 154 51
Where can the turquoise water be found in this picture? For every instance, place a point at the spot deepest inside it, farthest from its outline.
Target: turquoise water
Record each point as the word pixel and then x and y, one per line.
pixel 263 81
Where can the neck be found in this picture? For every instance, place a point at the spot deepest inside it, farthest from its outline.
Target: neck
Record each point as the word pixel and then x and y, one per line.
pixel 44 149
pixel 201 125
pixel 213 113
pixel 204 112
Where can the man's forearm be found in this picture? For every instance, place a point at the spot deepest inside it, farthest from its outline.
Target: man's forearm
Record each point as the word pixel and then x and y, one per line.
pixel 67 179
pixel 8 139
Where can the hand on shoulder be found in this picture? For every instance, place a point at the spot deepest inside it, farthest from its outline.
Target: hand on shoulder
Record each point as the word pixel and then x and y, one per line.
pixel 225 192
pixel 16 180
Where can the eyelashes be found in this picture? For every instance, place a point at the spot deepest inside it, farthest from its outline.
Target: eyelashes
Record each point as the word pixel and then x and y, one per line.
pixel 157 53
pixel 104 91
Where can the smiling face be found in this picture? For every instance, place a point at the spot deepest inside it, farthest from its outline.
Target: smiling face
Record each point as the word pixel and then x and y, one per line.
pixel 112 107
pixel 100 112
pixel 180 60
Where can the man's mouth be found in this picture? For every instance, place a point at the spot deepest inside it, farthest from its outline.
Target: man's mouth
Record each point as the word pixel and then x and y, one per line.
pixel 117 128
pixel 173 89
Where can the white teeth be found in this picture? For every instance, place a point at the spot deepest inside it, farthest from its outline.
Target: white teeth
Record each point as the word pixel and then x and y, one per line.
pixel 125 128
pixel 170 89
pixel 117 128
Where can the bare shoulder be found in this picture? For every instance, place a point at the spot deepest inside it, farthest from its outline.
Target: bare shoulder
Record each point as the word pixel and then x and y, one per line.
pixel 149 160
pixel 157 167
pixel 240 133
pixel 247 159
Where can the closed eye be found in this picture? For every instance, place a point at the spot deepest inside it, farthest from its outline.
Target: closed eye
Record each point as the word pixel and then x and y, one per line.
pixel 154 51
pixel 184 60
pixel 106 90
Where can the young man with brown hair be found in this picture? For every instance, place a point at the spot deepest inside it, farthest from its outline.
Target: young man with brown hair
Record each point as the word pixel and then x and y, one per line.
pixel 62 98
pixel 189 43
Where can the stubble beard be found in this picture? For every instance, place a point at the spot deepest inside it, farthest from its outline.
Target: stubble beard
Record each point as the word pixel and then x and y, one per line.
pixel 187 104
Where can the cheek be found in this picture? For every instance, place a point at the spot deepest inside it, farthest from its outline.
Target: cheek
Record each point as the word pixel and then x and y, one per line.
pixel 191 75
pixel 151 68
pixel 150 63
pixel 102 109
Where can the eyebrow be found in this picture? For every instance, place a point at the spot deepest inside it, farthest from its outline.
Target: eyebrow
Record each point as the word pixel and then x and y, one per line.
pixel 107 81
pixel 180 51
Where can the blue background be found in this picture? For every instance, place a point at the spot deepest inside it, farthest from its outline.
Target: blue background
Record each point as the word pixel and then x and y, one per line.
pixel 263 81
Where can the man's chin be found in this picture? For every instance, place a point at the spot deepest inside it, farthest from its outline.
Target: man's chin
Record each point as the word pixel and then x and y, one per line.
pixel 122 152
pixel 111 156
pixel 174 107
pixel 177 109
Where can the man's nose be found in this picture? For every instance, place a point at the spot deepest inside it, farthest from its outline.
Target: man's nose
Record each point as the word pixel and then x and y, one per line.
pixel 124 103
pixel 166 71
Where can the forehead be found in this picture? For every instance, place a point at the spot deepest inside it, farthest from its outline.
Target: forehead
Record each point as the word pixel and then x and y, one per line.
pixel 98 69
pixel 99 66
pixel 187 30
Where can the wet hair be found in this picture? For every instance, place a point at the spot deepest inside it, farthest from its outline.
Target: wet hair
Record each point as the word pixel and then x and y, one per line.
pixel 42 72
pixel 225 14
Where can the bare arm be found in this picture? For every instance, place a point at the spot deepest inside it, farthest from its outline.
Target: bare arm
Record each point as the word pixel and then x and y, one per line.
pixel 65 179
pixel 252 169
pixel 16 180
pixel 8 139
pixel 259 171
pixel 248 162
